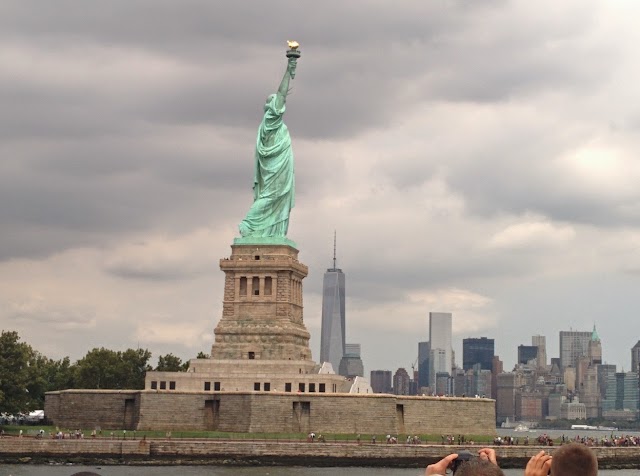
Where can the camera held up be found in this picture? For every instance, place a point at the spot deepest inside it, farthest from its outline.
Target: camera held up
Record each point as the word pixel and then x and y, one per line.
pixel 463 455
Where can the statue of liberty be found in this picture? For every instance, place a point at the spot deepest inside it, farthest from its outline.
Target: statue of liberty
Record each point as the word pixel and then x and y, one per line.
pixel 273 182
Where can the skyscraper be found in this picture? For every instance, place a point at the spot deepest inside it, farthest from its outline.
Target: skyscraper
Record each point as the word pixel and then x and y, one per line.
pixel 381 381
pixel 351 364
pixel 594 348
pixel 401 382
pixel 604 370
pixel 332 336
pixel 635 361
pixel 589 392
pixel 497 368
pixel 541 343
pixel 423 364
pixel 526 353
pixel 635 357
pixel 477 350
pixel 622 397
pixel 441 352
pixel 573 344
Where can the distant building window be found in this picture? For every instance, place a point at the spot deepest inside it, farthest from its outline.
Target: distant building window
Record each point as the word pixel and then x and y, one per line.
pixel 154 385
pixel 301 387
pixel 243 286
pixel 207 386
pixel 335 388
pixel 163 385
pixel 287 387
pixel 321 387
pixel 216 386
pixel 312 387
pixel 256 257
pixel 256 286
pixel 267 387
pixel 256 386
pixel 172 385
pixel 268 286
pixel 252 355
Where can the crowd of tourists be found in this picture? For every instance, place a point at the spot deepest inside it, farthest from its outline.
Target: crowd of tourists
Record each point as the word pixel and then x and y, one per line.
pixel 612 440
pixel 546 440
pixel 451 439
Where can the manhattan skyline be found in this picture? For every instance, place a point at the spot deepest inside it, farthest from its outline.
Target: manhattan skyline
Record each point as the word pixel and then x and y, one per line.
pixel 476 158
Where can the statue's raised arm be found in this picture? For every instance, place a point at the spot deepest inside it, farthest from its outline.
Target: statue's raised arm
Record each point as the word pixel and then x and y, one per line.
pixel 274 182
pixel 289 74
pixel 283 91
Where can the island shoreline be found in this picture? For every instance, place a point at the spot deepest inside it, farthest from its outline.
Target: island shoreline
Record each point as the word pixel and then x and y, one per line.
pixel 176 452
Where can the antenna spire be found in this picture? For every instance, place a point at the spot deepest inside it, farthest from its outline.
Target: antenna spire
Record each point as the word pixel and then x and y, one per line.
pixel 334 249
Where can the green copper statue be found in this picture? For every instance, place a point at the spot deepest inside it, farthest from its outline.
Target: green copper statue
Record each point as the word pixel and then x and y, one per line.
pixel 274 182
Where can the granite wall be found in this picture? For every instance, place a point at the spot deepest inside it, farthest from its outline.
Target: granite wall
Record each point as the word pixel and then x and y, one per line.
pixel 114 409
pixel 270 412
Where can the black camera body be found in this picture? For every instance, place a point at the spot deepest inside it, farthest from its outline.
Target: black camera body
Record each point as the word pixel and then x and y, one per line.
pixel 463 455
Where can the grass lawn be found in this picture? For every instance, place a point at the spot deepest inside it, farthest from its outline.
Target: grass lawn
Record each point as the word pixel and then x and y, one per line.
pixel 32 431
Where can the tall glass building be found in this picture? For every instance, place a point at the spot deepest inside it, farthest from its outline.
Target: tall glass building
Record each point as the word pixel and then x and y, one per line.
pixel 477 350
pixel 332 336
pixel 527 353
pixel 635 357
pixel 441 350
pixel 622 396
pixel 423 364
pixel 351 364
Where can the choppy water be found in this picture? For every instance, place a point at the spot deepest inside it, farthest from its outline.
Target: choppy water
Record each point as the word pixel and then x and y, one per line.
pixel 597 434
pixel 37 470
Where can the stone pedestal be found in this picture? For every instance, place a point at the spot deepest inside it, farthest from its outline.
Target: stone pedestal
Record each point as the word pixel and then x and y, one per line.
pixel 262 305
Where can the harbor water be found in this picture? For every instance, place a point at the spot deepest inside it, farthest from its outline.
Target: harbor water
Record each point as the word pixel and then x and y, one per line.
pixel 569 434
pixel 68 470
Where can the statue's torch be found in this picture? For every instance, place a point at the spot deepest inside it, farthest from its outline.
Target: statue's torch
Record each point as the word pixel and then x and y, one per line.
pixel 293 54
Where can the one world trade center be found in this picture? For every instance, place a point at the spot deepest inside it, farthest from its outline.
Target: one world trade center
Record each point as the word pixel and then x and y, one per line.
pixel 332 337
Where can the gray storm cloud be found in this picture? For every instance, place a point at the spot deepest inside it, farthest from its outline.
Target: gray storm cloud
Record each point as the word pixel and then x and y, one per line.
pixel 477 158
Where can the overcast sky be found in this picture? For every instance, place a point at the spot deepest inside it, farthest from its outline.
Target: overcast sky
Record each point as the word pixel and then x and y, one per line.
pixel 474 157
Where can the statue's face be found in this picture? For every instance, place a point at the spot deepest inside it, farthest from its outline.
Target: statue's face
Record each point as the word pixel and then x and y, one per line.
pixel 269 100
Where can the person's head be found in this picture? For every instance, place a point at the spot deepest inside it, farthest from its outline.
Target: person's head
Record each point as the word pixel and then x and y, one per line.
pixel 478 467
pixel 268 104
pixel 574 459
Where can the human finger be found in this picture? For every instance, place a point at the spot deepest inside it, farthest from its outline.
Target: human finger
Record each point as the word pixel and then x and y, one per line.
pixel 538 465
pixel 441 466
pixel 488 454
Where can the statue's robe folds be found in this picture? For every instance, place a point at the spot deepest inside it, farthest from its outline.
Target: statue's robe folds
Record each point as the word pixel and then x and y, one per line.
pixel 274 183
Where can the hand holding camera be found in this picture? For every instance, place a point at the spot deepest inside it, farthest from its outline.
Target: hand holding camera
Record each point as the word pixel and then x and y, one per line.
pixel 485 462
pixel 463 456
pixel 538 465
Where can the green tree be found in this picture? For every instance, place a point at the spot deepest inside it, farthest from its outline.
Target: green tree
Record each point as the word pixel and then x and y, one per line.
pixel 98 369
pixel 135 363
pixel 171 363
pixel 202 355
pixel 21 386
pixel 108 369
pixel 60 374
pixel 38 383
